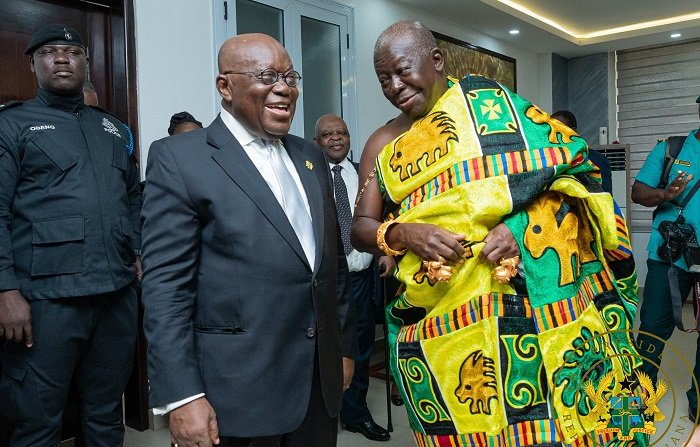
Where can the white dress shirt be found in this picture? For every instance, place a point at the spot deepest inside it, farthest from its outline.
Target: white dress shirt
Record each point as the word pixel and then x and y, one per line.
pixel 357 261
pixel 257 151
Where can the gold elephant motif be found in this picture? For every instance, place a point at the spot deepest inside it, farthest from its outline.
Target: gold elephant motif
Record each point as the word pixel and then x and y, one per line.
pixel 538 116
pixel 554 224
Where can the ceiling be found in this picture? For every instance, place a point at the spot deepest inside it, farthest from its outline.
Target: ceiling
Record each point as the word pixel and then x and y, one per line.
pixel 573 28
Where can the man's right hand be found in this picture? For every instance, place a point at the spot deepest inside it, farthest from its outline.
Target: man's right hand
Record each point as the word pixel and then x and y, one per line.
pixel 430 242
pixel 194 425
pixel 677 186
pixel 15 318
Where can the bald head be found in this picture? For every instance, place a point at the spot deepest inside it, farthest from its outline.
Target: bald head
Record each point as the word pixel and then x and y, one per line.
pixel 325 119
pixel 410 32
pixel 242 50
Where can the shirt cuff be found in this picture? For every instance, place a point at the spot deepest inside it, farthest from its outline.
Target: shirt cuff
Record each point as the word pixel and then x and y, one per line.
pixel 165 409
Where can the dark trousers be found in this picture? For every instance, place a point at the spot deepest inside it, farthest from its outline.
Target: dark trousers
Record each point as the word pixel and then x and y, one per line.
pixel 91 338
pixel 355 398
pixel 656 318
pixel 317 429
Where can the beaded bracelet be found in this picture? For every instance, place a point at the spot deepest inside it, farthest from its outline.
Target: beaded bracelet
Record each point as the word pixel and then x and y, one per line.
pixel 381 242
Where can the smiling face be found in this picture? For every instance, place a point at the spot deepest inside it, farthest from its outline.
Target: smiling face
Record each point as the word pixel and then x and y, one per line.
pixel 411 81
pixel 265 110
pixel 60 69
pixel 333 137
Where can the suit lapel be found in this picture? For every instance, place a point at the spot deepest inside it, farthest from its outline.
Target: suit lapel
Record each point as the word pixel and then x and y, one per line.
pixel 308 173
pixel 237 165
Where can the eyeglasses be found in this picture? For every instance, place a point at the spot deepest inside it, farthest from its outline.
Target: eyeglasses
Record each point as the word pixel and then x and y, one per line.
pixel 269 76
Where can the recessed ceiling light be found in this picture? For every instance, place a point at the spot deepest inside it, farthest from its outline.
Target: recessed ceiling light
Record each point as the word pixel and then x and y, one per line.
pixel 514 31
pixel 675 35
pixel 671 21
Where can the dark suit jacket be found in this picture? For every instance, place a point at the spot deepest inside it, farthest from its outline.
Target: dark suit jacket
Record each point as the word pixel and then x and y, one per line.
pixel 232 308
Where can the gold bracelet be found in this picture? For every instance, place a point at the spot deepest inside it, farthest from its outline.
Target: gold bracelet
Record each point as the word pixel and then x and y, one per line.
pixel 381 242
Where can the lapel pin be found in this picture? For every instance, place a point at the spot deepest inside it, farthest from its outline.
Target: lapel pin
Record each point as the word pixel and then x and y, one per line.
pixel 309 165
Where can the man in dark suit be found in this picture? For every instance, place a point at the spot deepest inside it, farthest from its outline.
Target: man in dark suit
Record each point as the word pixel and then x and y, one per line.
pixel 334 139
pixel 248 310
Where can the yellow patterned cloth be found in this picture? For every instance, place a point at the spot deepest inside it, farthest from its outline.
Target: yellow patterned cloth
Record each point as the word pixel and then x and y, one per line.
pixel 483 363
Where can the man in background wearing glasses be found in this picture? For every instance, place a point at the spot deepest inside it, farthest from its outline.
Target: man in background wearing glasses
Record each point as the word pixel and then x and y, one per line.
pixel 248 309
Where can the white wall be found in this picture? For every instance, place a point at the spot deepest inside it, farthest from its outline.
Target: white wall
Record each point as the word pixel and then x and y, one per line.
pixel 175 62
pixel 174 65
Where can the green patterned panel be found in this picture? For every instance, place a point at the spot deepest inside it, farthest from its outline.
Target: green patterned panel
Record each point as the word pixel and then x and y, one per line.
pixel 524 365
pixel 422 393
pixel 491 111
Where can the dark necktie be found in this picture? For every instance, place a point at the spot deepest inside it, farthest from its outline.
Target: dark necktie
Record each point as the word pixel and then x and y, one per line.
pixel 343 205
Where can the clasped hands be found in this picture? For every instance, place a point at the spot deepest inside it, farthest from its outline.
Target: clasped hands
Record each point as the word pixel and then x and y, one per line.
pixel 442 250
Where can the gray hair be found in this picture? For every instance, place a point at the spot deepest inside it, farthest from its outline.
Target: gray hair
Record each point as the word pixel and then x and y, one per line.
pixel 422 40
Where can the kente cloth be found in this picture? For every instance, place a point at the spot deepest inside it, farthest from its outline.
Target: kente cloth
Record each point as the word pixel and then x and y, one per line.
pixel 481 363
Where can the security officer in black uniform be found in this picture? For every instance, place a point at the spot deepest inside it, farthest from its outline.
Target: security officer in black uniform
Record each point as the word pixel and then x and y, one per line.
pixel 69 212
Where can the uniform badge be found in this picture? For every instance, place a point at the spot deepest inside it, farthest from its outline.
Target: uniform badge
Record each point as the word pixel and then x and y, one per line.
pixel 110 127
pixel 67 34
pixel 309 165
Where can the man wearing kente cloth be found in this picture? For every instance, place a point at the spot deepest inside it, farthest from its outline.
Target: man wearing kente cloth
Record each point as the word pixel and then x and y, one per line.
pixel 470 180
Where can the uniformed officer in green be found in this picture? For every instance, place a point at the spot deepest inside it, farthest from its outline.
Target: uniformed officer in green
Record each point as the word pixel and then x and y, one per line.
pixel 69 212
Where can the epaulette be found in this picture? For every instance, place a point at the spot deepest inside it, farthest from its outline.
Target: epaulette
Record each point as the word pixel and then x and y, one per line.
pixel 9 105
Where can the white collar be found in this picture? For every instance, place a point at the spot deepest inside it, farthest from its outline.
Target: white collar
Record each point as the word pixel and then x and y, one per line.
pixel 346 164
pixel 241 134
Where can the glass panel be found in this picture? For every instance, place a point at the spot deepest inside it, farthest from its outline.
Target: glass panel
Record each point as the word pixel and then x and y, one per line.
pixel 320 49
pixel 253 17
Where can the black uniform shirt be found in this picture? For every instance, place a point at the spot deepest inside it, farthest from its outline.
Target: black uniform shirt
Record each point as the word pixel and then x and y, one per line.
pixel 69 199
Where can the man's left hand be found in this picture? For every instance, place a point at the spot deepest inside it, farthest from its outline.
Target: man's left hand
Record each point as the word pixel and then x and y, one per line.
pixel 348 371
pixel 500 244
